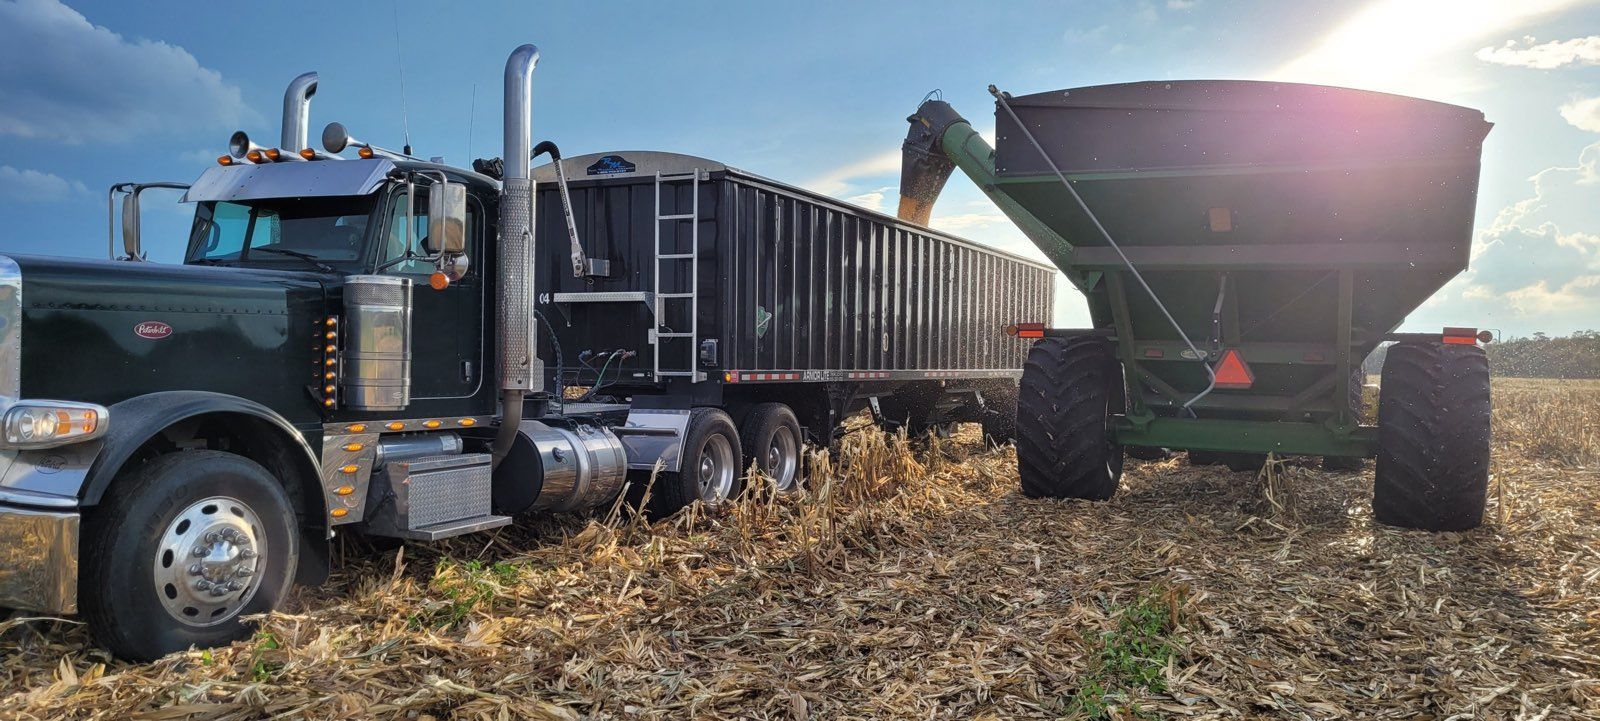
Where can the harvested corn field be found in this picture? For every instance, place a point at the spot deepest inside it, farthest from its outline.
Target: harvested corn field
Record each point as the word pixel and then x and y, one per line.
pixel 921 584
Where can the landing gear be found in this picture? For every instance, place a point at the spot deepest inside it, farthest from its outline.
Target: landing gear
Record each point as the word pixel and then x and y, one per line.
pixel 180 548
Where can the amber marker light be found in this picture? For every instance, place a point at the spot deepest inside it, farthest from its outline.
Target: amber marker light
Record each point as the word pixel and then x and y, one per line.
pixel 224 160
pixel 353 447
pixel 438 281
pixel 345 491
pixel 397 425
pixel 308 153
pixel 272 154
pixel 357 428
pixel 352 468
pixel 254 156
pixel 340 512
pixel 365 153
pixel 432 424
pixel 467 422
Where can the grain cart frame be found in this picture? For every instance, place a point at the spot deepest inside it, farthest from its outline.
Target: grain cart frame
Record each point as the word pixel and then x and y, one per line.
pixel 1242 246
pixel 376 345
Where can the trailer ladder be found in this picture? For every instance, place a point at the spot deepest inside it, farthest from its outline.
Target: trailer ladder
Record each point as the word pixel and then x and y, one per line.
pixel 663 299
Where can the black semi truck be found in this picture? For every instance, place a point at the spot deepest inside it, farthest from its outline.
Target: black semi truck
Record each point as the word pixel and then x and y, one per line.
pixel 394 347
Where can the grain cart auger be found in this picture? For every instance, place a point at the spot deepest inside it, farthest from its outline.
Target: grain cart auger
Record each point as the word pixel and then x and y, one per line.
pixel 1243 246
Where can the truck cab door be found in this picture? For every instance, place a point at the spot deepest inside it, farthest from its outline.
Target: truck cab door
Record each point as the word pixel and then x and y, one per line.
pixel 446 325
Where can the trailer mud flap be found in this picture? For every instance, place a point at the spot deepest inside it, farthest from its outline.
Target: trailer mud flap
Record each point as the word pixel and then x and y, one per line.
pixel 654 435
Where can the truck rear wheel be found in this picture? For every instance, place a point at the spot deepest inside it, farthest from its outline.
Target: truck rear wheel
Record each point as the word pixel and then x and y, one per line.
pixel 180 548
pixel 771 437
pixel 711 469
pixel 1433 437
pixel 1065 447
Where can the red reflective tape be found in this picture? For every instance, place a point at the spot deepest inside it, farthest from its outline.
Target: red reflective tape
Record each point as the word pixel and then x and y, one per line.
pixel 1461 340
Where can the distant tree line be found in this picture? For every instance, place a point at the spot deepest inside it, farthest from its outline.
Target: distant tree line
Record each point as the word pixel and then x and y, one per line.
pixel 1574 356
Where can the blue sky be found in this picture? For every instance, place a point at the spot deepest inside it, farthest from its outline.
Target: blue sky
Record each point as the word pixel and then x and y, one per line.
pixel 810 93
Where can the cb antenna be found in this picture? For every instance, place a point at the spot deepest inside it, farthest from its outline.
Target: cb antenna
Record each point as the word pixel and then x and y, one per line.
pixel 400 63
pixel 472 114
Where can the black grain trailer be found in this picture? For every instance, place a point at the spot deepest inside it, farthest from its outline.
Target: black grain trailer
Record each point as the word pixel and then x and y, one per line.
pixel 680 282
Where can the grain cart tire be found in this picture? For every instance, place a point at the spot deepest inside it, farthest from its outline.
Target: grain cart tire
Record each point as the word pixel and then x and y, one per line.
pixel 1357 404
pixel 771 438
pixel 1433 437
pixel 179 548
pixel 1065 448
pixel 999 422
pixel 711 469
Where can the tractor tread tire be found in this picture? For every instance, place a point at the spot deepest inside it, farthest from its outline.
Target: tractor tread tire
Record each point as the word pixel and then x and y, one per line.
pixel 1064 448
pixel 1433 437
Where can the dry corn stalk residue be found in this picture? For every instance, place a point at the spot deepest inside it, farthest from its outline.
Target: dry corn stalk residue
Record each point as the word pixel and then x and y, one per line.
pixel 912 580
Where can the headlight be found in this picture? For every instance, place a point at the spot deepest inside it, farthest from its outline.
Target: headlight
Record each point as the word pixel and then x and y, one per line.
pixel 43 424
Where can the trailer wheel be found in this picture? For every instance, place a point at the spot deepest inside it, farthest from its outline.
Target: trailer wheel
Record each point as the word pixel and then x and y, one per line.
pixel 1433 437
pixel 1065 448
pixel 771 437
pixel 999 422
pixel 180 548
pixel 1357 403
pixel 711 469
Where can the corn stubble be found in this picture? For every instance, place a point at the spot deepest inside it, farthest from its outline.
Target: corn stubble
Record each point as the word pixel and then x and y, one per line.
pixel 912 580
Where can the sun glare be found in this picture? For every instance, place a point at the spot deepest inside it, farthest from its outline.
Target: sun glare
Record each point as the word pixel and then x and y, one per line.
pixel 1396 45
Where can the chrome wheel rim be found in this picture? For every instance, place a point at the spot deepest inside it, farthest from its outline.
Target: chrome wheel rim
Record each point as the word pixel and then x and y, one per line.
pixel 782 462
pixel 716 471
pixel 208 564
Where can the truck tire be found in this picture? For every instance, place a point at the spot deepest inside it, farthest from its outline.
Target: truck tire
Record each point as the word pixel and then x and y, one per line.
pixel 999 422
pixel 179 548
pixel 1065 447
pixel 1357 403
pixel 1433 437
pixel 771 437
pixel 711 469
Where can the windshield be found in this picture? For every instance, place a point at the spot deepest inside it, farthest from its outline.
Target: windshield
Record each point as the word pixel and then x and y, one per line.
pixel 281 230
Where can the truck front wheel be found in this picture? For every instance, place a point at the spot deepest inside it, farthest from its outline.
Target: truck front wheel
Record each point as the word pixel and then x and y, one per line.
pixel 1065 448
pixel 1433 437
pixel 180 548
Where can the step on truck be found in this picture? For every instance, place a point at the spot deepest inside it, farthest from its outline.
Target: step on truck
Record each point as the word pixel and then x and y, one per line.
pixel 359 341
pixel 1242 246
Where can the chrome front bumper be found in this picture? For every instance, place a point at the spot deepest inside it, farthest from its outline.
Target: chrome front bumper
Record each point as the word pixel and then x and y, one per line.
pixel 39 559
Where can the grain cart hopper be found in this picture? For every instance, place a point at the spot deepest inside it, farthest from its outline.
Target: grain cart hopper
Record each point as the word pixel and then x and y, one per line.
pixel 1242 247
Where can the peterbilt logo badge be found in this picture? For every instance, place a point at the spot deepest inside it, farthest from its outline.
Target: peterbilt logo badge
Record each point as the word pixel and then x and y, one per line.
pixel 152 329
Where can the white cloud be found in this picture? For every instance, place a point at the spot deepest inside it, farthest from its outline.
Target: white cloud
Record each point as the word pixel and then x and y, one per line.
pixel 959 223
pixel 32 186
pixel 1583 114
pixel 837 181
pixel 1544 56
pixel 871 200
pixel 64 78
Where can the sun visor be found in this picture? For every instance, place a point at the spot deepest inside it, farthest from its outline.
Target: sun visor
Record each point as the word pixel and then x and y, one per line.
pixel 324 178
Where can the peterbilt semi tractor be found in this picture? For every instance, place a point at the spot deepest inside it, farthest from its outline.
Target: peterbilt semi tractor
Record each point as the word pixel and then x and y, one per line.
pixel 359 341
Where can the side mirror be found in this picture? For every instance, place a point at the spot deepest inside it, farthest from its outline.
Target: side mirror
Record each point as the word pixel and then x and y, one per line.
pixel 447 219
pixel 130 225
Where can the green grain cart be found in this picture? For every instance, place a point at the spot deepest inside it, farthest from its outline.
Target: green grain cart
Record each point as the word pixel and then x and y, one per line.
pixel 1243 246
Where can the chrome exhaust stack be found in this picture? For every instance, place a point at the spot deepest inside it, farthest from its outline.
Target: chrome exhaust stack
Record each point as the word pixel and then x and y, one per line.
pixel 521 371
pixel 297 113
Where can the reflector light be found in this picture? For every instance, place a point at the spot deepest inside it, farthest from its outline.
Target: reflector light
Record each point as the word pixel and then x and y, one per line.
pixel 358 427
pixel 1154 353
pixel 467 422
pixel 254 156
pixel 308 153
pixel 1232 372
pixel 272 154
pixel 1461 336
pixel 365 152
pixel 340 512
pixel 1485 336
pixel 224 160
pixel 438 281
pixel 1026 330
pixel 397 425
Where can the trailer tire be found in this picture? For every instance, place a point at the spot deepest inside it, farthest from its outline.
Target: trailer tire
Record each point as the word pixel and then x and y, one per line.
pixel 771 438
pixel 1065 447
pixel 223 503
pixel 711 468
pixel 999 422
pixel 1433 437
